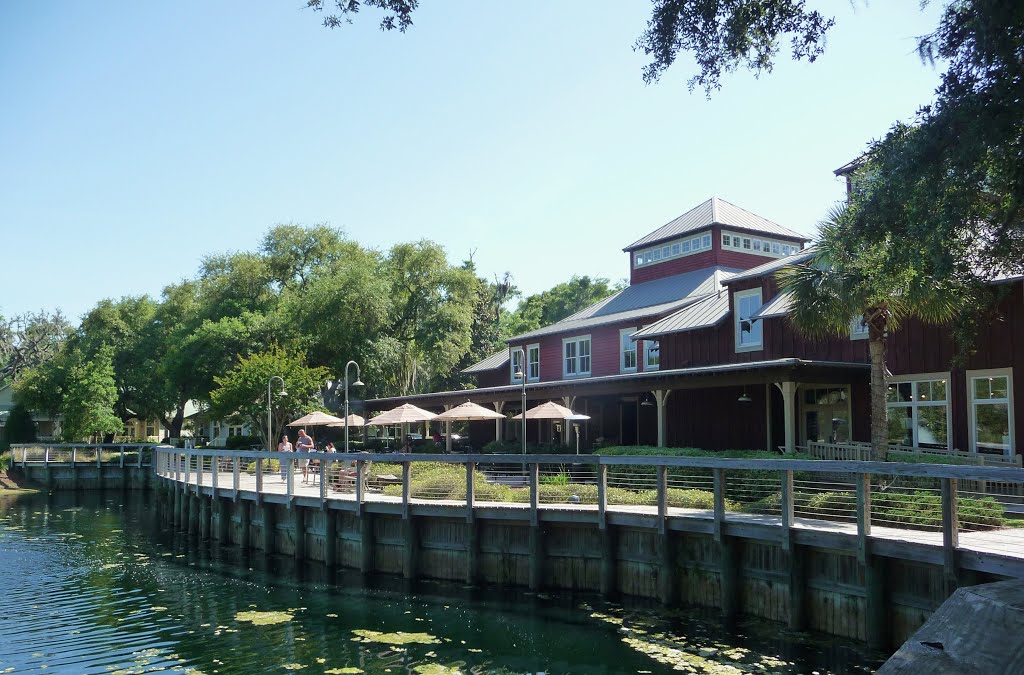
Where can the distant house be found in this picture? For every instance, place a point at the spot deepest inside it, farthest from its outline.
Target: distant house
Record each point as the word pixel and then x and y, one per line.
pixel 698 351
pixel 47 427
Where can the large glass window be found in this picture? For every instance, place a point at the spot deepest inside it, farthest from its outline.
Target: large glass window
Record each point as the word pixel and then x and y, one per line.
pixel 991 396
pixel 533 362
pixel 918 411
pixel 826 414
pixel 748 329
pixel 627 360
pixel 673 249
pixel 577 356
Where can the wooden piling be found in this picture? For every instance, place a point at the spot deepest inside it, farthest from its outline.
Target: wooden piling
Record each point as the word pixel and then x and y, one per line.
pixel 330 538
pixel 410 562
pixel 366 543
pixel 299 528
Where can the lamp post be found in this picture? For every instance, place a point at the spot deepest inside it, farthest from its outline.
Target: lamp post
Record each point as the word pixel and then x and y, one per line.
pixel 521 374
pixel 357 383
pixel 270 424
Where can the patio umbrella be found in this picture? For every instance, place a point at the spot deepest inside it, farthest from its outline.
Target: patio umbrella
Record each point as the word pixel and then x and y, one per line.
pixel 546 411
pixel 315 419
pixel 353 421
pixel 469 412
pixel 466 412
pixel 403 414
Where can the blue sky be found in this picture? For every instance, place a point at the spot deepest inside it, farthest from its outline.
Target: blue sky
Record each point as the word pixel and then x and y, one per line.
pixel 137 137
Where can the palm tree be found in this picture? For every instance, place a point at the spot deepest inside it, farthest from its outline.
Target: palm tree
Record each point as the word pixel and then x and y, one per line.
pixel 848 279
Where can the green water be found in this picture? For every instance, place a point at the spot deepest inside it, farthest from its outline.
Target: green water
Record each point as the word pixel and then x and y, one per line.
pixel 92 583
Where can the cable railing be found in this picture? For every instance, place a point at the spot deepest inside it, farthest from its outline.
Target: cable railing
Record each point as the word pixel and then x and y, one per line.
pixel 896 501
pixel 83 454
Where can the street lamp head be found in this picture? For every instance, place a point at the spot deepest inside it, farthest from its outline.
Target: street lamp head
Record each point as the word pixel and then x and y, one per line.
pixel 282 393
pixel 357 383
pixel 518 374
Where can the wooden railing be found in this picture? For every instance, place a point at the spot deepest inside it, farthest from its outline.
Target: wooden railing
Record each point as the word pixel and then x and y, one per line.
pixel 79 454
pixel 594 486
pixel 859 451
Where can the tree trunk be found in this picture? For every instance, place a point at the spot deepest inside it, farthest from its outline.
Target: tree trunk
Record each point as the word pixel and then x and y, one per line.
pixel 879 417
pixel 174 430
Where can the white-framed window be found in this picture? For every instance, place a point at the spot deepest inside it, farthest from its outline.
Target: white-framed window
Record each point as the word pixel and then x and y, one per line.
pixel 769 247
pixel 150 429
pixel 627 351
pixel 516 364
pixel 918 410
pixel 859 329
pixel 533 362
pixel 576 356
pixel 748 330
pixel 652 355
pixel 990 396
pixel 673 249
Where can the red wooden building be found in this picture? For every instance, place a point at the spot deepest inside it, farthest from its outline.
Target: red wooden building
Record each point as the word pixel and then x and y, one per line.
pixel 698 351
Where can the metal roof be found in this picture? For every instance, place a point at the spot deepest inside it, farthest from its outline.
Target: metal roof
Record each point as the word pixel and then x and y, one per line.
pixel 772 266
pixel 777 306
pixel 535 388
pixel 490 363
pixel 650 298
pixel 715 211
pixel 705 313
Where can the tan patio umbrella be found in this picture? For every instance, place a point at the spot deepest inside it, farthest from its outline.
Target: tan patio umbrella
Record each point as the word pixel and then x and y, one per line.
pixel 353 421
pixel 470 412
pixel 404 414
pixel 465 412
pixel 315 419
pixel 546 411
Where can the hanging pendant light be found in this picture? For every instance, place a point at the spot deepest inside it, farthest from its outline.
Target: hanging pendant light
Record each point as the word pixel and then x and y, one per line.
pixel 743 397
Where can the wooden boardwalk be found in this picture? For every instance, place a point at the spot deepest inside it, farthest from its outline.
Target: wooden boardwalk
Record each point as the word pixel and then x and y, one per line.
pixel 999 551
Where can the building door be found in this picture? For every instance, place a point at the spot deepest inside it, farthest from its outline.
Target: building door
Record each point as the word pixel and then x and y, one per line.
pixel 628 417
pixel 825 413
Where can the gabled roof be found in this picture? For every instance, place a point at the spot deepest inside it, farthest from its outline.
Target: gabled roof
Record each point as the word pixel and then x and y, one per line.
pixel 490 363
pixel 709 311
pixel 777 306
pixel 772 266
pixel 651 298
pixel 715 211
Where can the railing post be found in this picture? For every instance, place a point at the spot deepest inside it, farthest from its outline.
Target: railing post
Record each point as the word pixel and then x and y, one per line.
pixel 662 498
pixel 863 515
pixel 289 479
pixel 139 448
pixel 406 481
pixel 235 475
pixel 602 496
pixel 470 490
pixel 323 479
pixel 200 467
pixel 950 534
pixel 46 455
pixel 214 466
pixel 360 478
pixel 99 456
pixel 74 456
pixel 259 480
pixel 719 502
pixel 794 560
pixel 122 455
pixel 534 493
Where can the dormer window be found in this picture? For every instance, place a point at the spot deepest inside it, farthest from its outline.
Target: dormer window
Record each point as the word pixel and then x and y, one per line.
pixel 674 249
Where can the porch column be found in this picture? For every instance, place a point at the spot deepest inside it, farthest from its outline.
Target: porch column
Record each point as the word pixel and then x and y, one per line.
pixel 661 398
pixel 447 432
pixel 768 417
pixel 568 402
pixel 499 406
pixel 788 390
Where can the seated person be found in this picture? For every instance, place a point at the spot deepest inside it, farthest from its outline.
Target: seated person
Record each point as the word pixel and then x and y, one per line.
pixel 437 438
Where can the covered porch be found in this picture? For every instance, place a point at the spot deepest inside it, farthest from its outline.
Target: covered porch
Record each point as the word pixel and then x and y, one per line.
pixel 778 404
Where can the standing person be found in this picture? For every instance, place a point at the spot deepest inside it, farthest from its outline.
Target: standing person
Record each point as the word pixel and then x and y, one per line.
pixel 284 446
pixel 304 444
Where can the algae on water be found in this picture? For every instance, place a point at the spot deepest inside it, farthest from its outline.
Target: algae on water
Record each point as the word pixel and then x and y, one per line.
pixel 264 618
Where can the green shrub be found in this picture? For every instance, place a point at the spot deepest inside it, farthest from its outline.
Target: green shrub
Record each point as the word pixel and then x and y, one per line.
pixel 560 478
pixel 269 466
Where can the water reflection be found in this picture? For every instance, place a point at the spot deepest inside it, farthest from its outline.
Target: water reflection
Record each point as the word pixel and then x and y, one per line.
pixel 93 583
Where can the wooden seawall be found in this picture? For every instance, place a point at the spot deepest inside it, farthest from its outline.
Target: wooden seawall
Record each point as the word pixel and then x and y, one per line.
pixel 877 584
